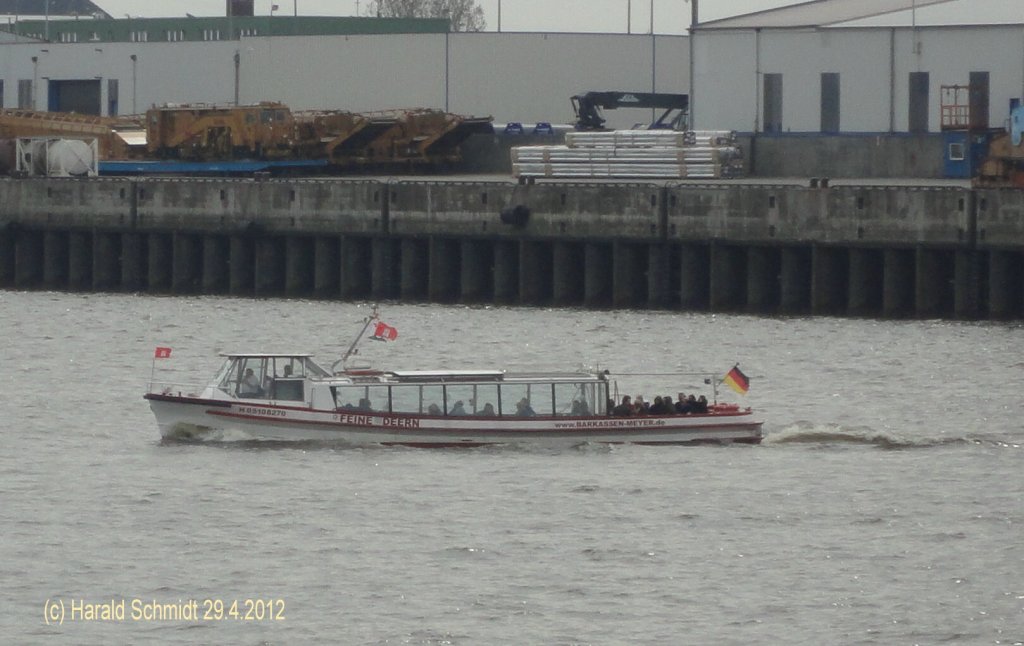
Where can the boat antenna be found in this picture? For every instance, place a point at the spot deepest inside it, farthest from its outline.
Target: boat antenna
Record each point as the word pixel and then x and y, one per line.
pixel 374 315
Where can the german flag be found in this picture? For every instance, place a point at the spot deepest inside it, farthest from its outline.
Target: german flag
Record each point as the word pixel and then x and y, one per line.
pixel 737 380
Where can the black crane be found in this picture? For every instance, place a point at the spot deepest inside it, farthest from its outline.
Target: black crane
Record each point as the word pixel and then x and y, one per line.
pixel 588 106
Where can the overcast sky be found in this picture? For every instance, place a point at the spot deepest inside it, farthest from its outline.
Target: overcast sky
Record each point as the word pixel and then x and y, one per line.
pixel 616 16
pixel 670 16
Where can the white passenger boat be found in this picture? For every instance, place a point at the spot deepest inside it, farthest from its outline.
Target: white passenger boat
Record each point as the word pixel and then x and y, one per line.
pixel 288 396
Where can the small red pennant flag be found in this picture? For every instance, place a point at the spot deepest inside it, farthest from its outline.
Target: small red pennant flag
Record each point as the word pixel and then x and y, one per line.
pixel 384 332
pixel 162 353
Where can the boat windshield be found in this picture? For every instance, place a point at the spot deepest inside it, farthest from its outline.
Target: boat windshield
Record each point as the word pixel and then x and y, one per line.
pixel 267 376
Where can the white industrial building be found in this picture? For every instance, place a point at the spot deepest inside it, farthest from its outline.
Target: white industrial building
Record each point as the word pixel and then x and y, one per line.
pixel 524 77
pixel 865 66
pixel 827 66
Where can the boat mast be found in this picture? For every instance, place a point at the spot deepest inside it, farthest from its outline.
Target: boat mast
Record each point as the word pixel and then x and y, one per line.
pixel 352 348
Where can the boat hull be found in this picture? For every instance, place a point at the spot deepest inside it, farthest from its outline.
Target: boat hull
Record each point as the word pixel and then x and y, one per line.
pixel 189 418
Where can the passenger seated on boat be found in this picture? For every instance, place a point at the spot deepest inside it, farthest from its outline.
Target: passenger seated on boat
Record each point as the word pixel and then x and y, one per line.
pixel 640 407
pixel 457 409
pixel 287 371
pixel 625 409
pixel 364 404
pixel 488 410
pixel 682 405
pixel 580 408
pixel 433 409
pixel 702 405
pixel 610 406
pixel 250 385
pixel 670 406
pixel 523 408
pixel 658 407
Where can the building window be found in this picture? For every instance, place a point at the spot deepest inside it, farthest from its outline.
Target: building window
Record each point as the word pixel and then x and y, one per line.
pixel 94 36
pixel 956 152
pixel 211 34
pixel 140 36
pixel 68 37
pixel 830 102
pixel 773 102
pixel 175 35
pixel 917 118
pixel 248 32
pixel 25 95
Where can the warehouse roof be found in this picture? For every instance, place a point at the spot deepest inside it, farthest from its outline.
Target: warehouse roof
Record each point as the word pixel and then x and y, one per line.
pixel 51 7
pixel 831 13
pixel 221 28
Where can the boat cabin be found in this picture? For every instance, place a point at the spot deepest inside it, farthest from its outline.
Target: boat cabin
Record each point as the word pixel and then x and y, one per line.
pixel 280 377
pixel 291 378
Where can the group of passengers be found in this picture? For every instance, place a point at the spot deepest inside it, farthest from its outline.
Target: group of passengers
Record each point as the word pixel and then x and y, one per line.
pixel 523 409
pixel 685 405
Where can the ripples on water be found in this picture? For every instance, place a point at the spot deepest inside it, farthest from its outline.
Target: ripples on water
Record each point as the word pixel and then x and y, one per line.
pixel 885 505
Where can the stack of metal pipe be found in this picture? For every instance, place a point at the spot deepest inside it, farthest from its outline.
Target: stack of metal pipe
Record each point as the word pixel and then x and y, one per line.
pixel 623 154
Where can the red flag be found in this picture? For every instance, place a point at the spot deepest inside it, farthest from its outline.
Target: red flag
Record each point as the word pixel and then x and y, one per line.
pixel 162 353
pixel 384 332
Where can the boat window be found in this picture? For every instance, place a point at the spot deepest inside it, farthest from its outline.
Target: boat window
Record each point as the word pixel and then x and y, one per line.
pixel 432 401
pixel 474 398
pixel 347 397
pixel 310 368
pixel 600 391
pixel 542 398
pixel 405 399
pixel 575 399
pixel 376 398
pixel 287 389
pixel 362 398
pixel 224 376
pixel 249 379
pixel 525 400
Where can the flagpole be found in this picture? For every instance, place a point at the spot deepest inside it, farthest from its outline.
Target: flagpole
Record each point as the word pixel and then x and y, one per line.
pixel 351 349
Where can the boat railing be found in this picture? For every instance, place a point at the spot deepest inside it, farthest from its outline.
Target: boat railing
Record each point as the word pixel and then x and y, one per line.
pixel 179 389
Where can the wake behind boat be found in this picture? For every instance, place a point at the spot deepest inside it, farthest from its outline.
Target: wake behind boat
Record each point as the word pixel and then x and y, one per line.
pixel 288 396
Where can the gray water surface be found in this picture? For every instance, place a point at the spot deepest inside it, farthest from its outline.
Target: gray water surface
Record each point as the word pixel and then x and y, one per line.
pixel 886 505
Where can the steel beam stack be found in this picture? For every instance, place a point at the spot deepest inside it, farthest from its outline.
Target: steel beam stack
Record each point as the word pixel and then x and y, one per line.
pixel 622 154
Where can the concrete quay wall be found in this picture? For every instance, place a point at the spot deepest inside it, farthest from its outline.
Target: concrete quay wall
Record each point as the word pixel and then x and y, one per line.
pixel 757 246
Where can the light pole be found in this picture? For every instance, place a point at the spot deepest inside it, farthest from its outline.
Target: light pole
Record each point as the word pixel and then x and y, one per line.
pixel 135 78
pixel 654 59
pixel 694 19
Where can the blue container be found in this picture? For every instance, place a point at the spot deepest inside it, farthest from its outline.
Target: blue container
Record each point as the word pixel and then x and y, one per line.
pixel 964 152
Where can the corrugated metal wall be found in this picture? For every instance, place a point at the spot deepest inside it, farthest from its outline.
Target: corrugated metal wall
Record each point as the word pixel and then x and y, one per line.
pixel 529 77
pixel 874 66
pixel 513 77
